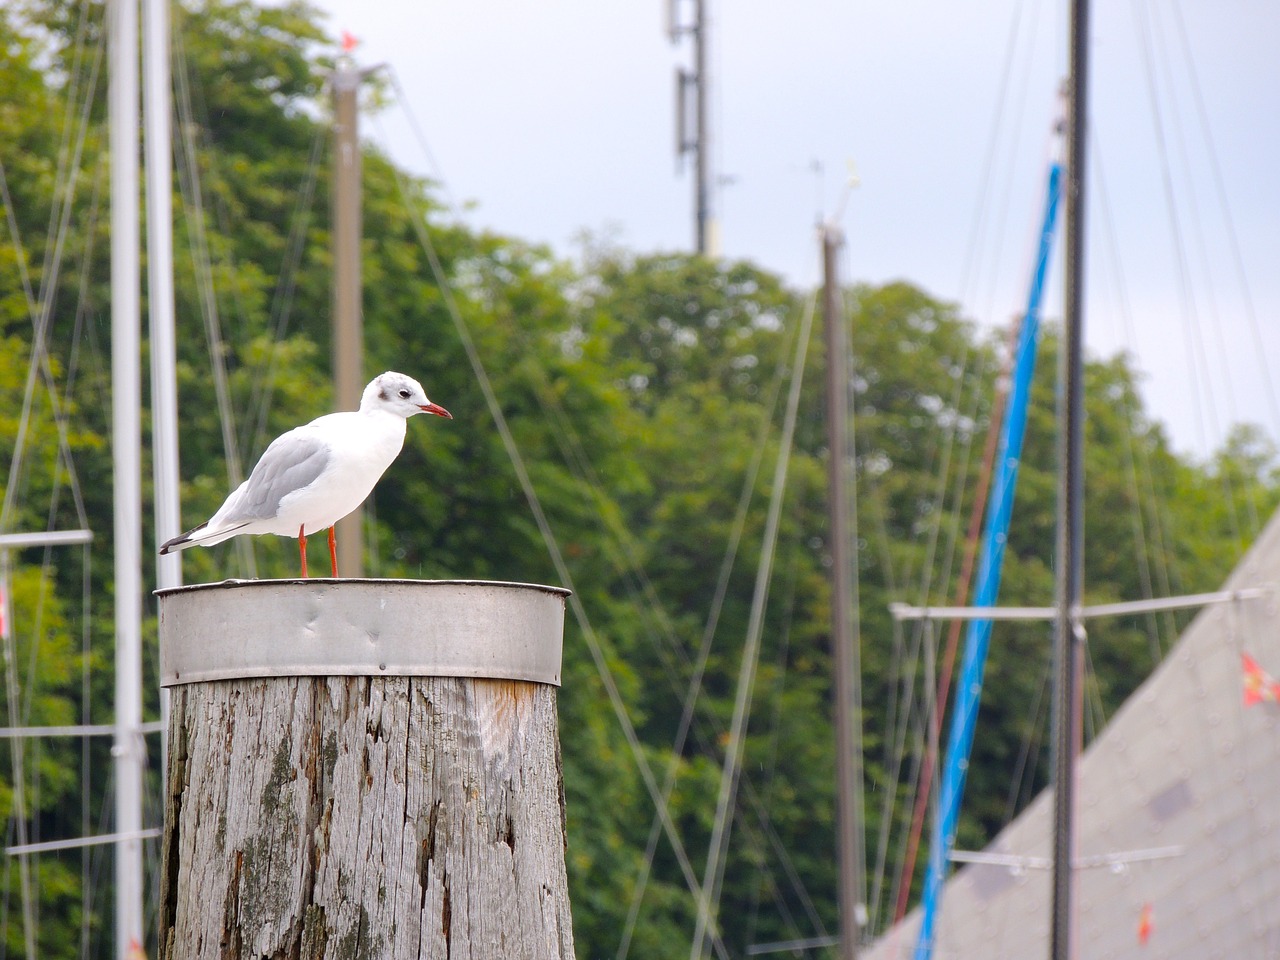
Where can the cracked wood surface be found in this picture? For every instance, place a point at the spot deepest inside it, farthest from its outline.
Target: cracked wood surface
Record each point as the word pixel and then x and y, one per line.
pixel 364 817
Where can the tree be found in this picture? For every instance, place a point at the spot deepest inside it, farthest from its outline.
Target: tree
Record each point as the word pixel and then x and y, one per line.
pixel 642 392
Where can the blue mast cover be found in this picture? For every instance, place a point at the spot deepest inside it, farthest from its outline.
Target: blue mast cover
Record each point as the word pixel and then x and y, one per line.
pixel 987 586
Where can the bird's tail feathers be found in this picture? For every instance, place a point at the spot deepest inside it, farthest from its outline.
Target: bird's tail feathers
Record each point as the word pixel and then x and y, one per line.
pixel 182 541
pixel 199 536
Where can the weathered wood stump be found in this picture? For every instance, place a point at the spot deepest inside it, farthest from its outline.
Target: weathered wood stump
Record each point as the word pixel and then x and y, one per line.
pixel 355 804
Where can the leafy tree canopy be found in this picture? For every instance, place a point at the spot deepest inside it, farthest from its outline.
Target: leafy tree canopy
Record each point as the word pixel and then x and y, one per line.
pixel 644 392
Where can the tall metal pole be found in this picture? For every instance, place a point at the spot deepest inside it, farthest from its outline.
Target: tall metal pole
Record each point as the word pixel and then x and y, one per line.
pixel 157 142
pixel 126 448
pixel 348 322
pixel 843 642
pixel 706 236
pixel 160 303
pixel 701 188
pixel 1068 630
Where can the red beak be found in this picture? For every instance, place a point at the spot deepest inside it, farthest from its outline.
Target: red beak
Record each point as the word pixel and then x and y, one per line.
pixel 435 408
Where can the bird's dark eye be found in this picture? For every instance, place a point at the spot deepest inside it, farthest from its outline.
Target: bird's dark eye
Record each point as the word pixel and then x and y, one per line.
pixel 404 394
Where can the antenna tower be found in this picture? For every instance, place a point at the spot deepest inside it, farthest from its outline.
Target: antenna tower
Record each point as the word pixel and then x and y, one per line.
pixel 692 128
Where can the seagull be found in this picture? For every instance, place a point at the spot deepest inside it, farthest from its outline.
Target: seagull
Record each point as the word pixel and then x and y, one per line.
pixel 314 475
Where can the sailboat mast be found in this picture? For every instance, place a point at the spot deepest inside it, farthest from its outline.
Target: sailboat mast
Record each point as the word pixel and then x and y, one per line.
pixel 160 301
pixel 157 142
pixel 1068 629
pixel 348 322
pixel 843 641
pixel 126 448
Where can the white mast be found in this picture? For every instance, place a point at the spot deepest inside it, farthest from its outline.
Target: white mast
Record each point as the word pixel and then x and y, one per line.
pixel 159 180
pixel 126 403
pixel 156 98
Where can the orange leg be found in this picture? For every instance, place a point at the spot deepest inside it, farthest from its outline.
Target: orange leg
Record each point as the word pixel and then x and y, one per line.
pixel 302 547
pixel 333 553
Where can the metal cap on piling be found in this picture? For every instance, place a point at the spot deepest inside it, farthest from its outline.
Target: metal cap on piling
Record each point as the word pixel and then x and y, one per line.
pixel 408 628
pixel 363 768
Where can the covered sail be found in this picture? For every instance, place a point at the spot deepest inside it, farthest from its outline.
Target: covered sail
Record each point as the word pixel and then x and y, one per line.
pixel 1177 823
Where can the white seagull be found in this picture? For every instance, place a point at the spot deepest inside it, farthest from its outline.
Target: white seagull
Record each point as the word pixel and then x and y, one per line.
pixel 314 475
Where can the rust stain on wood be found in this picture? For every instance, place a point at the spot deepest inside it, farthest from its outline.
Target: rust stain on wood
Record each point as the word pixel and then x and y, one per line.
pixel 501 706
pixel 231 907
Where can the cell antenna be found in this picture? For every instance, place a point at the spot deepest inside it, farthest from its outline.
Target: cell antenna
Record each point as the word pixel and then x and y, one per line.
pixel 692 127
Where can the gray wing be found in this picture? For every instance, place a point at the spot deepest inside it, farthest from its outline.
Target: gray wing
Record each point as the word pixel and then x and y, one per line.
pixel 293 461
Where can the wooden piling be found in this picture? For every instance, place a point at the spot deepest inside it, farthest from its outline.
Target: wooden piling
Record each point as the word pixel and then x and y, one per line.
pixel 382 780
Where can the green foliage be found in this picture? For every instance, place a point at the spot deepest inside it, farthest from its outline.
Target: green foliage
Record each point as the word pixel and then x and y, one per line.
pixel 644 394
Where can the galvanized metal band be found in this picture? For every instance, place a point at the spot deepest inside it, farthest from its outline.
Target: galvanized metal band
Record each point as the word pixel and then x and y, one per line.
pixel 322 627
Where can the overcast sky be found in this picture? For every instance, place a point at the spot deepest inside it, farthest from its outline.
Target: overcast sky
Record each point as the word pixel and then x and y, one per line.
pixel 547 119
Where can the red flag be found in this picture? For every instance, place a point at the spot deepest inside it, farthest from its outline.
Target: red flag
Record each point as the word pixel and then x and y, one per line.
pixel 1258 684
pixel 1145 926
pixel 349 41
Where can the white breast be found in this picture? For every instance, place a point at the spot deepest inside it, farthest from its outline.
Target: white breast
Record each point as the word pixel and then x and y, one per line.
pixel 361 447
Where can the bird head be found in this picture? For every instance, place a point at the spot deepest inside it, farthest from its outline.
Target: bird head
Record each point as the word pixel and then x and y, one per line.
pixel 401 395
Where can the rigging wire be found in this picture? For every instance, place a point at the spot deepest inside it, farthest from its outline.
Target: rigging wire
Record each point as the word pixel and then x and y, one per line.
pixel 961 593
pixel 764 877
pixel 69 168
pixel 630 567
pixel 708 904
pixel 928 764
pixel 904 719
pixel 1160 563
pixel 83 330
pixel 1215 323
pixel 1233 239
pixel 901 716
pixel 972 540
pixel 1195 233
pixel 708 633
pixel 193 206
pixel 262 388
pixel 891 761
pixel 1201 389
pixel 40 309
pixel 981 222
pixel 1022 782
pixel 624 554
pixel 1018 104
pixel 595 644
pixel 1149 555
pixel 754 802
pixel 404 100
pixel 627 563
pixel 1206 140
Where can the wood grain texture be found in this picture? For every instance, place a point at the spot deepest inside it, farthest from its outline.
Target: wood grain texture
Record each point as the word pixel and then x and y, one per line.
pixel 364 817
